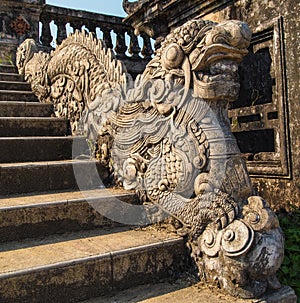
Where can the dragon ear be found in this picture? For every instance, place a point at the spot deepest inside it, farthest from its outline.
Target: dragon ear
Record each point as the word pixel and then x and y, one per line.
pixel 25 52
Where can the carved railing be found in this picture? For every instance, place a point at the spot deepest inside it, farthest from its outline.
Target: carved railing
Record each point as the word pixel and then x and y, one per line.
pixel 112 27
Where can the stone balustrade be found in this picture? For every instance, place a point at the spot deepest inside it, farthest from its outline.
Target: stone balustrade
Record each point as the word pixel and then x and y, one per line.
pixel 117 35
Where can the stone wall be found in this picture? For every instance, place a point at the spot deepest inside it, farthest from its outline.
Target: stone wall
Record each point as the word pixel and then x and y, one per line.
pixel 265 119
pixel 18 20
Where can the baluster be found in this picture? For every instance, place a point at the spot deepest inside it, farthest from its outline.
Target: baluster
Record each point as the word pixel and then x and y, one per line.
pixel 121 47
pixel 147 50
pixel 107 37
pixel 3 28
pixel 134 48
pixel 46 37
pixel 61 31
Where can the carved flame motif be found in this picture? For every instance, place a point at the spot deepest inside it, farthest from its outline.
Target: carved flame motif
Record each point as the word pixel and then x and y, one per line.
pixel 167 136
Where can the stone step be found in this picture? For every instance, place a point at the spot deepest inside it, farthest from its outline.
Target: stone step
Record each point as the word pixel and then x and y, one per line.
pixel 185 289
pixel 11 77
pixel 14 86
pixel 24 149
pixel 8 68
pixel 28 177
pixel 16 95
pixel 79 266
pixel 37 215
pixel 25 109
pixel 33 126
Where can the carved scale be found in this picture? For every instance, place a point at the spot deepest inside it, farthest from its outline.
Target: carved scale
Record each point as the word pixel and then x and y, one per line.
pixel 167 135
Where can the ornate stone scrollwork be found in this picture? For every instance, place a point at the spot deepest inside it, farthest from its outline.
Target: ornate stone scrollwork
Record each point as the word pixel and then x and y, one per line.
pixel 167 136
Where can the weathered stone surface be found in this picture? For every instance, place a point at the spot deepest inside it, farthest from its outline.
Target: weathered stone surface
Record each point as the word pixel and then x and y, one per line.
pixel 14 85
pixel 168 137
pixel 46 176
pixel 19 20
pixel 132 266
pixel 184 290
pixel 10 77
pixel 25 109
pixel 40 215
pixel 33 126
pixel 74 267
pixel 15 95
pixel 8 68
pixel 157 18
pixel 23 149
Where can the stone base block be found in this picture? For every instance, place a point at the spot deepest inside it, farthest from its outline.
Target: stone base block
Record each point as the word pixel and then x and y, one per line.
pixel 284 295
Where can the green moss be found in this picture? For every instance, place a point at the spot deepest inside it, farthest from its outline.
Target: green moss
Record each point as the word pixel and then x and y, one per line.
pixel 289 273
pixel 7 59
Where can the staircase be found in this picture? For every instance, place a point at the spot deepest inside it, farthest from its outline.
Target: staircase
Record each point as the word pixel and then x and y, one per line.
pixel 54 245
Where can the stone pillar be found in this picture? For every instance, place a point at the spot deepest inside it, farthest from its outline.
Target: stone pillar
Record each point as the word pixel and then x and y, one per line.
pixel 18 20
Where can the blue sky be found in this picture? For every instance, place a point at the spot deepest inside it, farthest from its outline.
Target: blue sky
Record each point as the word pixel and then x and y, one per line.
pixel 110 7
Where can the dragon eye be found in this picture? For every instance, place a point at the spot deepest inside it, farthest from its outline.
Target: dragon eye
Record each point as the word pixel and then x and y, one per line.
pixel 172 56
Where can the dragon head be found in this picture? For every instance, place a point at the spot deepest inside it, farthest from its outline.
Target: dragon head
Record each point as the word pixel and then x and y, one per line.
pixel 25 52
pixel 203 56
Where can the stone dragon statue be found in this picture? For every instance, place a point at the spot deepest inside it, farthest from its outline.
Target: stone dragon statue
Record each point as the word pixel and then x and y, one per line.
pixel 167 136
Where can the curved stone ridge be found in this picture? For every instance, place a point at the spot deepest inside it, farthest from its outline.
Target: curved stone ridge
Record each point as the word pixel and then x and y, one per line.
pixel 168 137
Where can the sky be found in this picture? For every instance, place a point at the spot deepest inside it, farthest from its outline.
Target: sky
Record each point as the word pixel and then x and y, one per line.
pixel 109 7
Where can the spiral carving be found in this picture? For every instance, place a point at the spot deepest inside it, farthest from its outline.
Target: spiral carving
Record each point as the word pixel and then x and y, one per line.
pixel 258 215
pixel 237 239
pixel 173 56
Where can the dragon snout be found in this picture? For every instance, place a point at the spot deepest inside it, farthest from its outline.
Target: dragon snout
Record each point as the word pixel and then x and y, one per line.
pixel 226 41
pixel 235 33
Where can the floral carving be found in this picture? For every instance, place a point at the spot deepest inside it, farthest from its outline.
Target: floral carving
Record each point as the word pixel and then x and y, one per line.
pixel 20 26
